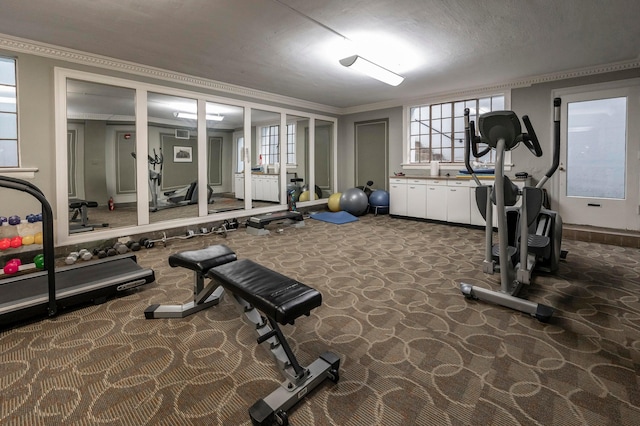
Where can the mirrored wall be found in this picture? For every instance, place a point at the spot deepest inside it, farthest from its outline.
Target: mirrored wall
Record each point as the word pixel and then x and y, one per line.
pixel 243 164
pixel 101 139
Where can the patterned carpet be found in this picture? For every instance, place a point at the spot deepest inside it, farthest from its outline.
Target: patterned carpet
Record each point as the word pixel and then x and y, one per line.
pixel 413 350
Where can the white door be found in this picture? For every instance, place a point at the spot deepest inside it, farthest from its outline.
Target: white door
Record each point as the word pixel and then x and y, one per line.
pixel 599 173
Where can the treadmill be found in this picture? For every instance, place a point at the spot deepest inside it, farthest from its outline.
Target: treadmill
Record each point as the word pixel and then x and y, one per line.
pixel 45 293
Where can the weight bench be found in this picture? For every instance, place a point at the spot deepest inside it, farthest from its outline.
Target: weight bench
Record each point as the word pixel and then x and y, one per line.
pixel 256 224
pixel 258 291
pixel 79 208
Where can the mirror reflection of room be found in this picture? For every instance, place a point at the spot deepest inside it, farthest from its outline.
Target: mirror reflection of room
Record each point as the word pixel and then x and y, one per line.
pixel 100 139
pixel 172 157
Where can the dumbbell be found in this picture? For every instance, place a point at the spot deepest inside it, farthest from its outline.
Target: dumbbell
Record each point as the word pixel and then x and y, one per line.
pixel 12 266
pixel 101 253
pixel 133 245
pixel 72 258
pixel 146 242
pixel 39 261
pixel 120 248
pixel 16 241
pixel 85 254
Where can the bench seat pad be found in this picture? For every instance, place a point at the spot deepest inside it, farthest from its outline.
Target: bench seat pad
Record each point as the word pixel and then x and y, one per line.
pixel 76 204
pixel 275 295
pixel 203 259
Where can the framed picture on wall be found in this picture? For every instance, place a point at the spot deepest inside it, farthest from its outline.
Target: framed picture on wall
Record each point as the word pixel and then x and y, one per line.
pixel 182 154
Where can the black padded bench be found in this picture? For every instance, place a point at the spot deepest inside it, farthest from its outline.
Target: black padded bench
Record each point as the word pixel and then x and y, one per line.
pixel 278 297
pixel 259 291
pixel 79 208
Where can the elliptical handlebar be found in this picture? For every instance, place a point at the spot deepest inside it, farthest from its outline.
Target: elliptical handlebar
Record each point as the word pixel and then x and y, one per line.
pixel 556 143
pixel 471 141
pixel 530 139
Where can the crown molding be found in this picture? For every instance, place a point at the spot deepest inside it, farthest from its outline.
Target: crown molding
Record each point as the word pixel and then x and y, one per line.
pixel 20 45
pixel 513 84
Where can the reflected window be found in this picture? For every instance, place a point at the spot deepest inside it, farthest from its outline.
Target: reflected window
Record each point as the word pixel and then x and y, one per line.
pixel 270 142
pixel 291 144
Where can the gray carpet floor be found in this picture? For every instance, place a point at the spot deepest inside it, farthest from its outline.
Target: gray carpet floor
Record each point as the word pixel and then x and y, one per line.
pixel 413 349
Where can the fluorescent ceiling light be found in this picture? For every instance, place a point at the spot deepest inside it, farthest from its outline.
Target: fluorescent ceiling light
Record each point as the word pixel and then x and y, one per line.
pixel 191 116
pixel 372 70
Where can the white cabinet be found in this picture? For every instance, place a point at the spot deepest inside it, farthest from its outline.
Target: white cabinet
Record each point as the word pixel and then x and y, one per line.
pixel 263 187
pixel 398 196
pixel 437 199
pixel 447 200
pixel 239 185
pixel 417 198
pixel 458 203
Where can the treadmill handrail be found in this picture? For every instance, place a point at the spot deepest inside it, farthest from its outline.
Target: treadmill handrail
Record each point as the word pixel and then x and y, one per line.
pixel 47 233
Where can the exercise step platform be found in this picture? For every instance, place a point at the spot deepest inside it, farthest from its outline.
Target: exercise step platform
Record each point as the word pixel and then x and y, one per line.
pixel 256 224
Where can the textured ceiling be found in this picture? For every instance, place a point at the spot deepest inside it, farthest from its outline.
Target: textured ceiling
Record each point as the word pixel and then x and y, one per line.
pixel 292 47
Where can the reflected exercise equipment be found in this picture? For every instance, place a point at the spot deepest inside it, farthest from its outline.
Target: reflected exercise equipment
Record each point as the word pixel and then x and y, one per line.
pixel 174 198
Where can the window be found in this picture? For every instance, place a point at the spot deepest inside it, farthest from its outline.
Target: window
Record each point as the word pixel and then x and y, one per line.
pixel 269 144
pixel 291 143
pixel 437 131
pixel 270 141
pixel 8 114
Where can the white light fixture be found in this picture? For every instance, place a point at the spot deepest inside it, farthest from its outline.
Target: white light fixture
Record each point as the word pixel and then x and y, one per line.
pixel 372 70
pixel 191 116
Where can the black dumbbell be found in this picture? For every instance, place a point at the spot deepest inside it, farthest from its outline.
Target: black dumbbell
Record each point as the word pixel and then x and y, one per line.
pixel 146 242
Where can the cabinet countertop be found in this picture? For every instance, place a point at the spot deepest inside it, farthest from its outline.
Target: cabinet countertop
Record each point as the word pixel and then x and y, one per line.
pixel 455 177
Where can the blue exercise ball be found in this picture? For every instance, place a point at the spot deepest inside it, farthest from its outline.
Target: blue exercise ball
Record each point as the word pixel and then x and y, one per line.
pixel 354 201
pixel 379 198
pixel 379 201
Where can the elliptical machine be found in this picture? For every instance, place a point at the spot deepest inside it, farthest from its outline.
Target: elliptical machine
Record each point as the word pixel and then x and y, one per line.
pixel 529 236
pixel 174 198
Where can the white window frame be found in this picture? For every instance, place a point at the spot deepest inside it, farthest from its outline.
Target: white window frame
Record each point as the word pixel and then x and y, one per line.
pixel 266 143
pixel 406 129
pixel 16 166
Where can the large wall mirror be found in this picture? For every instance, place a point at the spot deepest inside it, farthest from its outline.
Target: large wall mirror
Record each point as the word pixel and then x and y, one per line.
pixel 297 173
pixel 225 147
pixel 323 158
pixel 195 171
pixel 265 161
pixel 100 169
pixel 172 157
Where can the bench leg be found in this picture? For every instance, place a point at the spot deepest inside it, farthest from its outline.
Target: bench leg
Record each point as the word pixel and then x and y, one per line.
pixel 298 380
pixel 273 408
pixel 203 299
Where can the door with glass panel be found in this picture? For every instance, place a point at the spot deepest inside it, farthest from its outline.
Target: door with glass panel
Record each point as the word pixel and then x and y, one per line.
pixel 600 152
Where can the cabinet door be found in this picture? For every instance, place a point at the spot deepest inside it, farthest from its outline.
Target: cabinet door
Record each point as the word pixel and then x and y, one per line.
pixel 458 206
pixel 273 189
pixel 398 198
pixel 437 202
pixel 239 183
pixel 416 200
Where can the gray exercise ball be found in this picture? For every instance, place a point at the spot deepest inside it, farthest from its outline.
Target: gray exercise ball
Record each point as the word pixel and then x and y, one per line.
pixel 354 201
